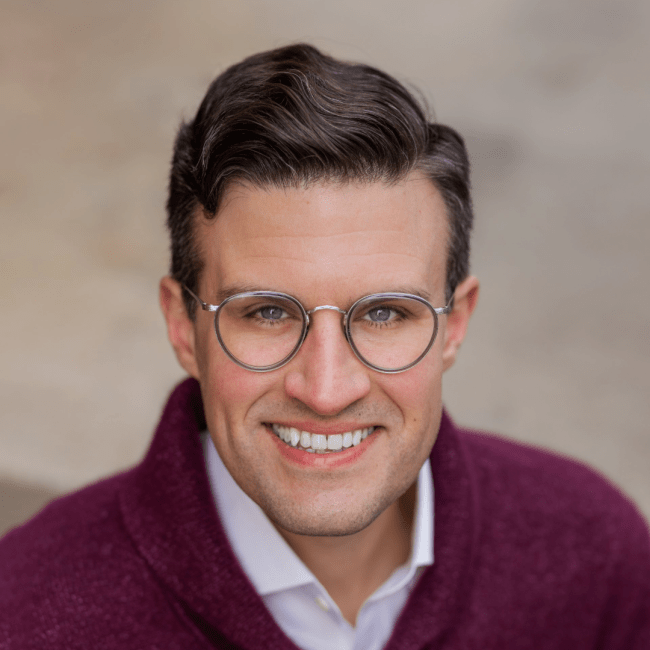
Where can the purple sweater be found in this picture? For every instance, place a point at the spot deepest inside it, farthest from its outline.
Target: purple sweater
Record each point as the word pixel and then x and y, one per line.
pixel 532 551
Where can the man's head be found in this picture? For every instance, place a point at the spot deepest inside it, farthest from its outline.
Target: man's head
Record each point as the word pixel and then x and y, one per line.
pixel 322 180
pixel 294 116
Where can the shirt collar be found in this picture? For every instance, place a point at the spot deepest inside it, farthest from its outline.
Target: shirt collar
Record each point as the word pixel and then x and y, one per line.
pixel 278 568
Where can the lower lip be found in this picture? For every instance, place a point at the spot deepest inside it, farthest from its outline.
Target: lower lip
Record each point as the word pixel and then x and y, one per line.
pixel 324 461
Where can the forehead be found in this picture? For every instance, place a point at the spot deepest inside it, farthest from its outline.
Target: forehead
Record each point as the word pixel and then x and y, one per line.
pixel 357 237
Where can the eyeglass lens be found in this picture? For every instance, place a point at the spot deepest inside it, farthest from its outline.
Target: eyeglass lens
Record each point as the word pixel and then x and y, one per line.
pixel 262 331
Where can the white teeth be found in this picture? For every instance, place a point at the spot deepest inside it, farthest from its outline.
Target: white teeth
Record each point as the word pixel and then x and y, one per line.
pixel 335 441
pixel 318 441
pixel 315 442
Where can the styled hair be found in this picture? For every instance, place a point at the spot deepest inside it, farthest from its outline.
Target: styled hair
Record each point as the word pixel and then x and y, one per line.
pixel 294 116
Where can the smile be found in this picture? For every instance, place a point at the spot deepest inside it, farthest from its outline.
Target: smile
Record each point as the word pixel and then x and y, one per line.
pixel 320 444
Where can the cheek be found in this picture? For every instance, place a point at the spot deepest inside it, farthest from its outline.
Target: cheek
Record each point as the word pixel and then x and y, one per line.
pixel 231 388
pixel 418 393
pixel 229 392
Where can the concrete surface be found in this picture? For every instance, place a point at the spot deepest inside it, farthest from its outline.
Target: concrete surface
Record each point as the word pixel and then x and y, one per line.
pixel 18 501
pixel 553 98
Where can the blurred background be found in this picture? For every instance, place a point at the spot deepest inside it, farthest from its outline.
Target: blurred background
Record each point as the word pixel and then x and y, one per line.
pixel 553 98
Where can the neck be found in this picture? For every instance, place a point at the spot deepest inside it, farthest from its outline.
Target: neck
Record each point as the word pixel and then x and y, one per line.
pixel 352 567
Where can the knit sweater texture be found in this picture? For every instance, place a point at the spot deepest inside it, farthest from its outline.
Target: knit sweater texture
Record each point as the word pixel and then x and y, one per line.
pixel 532 551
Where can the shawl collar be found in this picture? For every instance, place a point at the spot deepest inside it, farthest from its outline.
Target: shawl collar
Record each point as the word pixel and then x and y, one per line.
pixel 441 592
pixel 168 512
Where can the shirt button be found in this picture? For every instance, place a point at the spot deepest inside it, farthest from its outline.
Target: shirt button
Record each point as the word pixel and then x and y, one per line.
pixel 322 603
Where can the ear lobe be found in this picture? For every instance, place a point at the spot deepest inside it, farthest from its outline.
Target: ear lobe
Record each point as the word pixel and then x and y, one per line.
pixel 180 329
pixel 465 299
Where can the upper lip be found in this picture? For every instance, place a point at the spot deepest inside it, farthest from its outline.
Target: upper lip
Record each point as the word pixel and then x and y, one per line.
pixel 320 428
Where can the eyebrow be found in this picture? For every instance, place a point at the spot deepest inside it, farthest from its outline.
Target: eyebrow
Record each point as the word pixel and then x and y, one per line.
pixel 234 289
pixel 412 290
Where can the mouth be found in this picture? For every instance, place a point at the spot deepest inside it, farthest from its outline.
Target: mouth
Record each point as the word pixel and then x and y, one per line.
pixel 316 443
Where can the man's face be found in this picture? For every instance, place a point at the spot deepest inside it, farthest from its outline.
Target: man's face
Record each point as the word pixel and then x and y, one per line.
pixel 327 244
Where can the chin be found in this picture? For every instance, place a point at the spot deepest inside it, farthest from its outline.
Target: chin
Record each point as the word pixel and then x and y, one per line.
pixel 332 523
pixel 323 530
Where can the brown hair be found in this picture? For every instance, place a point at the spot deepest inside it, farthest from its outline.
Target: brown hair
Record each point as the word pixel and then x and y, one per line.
pixel 294 116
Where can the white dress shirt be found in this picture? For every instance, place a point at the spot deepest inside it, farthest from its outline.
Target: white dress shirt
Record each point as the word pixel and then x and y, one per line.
pixel 297 601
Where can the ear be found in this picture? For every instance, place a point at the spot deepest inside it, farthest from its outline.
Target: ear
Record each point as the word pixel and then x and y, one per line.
pixel 465 298
pixel 180 329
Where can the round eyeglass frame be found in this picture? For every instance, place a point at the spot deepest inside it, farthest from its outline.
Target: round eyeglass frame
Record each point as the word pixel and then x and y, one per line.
pixel 436 311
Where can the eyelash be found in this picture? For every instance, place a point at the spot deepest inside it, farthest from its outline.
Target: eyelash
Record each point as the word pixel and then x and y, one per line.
pixel 254 314
pixel 400 316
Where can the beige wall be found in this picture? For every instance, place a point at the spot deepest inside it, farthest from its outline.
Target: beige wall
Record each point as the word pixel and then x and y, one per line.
pixel 552 96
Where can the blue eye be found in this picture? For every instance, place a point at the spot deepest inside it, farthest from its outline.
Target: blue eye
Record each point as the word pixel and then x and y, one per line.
pixel 384 315
pixel 380 314
pixel 272 312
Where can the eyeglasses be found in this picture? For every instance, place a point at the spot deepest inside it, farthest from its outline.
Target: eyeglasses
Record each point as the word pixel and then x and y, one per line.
pixel 263 330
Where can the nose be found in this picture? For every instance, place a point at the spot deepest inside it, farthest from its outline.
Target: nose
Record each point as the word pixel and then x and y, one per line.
pixel 325 375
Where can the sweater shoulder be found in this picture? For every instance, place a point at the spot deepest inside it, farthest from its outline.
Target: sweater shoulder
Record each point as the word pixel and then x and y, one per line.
pixel 69 572
pixel 73 523
pixel 552 496
pixel 555 538
pixel 539 473
pixel 69 532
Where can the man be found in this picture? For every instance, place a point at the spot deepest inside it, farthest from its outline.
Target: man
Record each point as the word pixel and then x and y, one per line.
pixel 319 289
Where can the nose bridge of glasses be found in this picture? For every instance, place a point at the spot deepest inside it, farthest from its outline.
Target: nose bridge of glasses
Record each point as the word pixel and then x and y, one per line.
pixel 309 312
pixel 338 310
pixel 321 307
